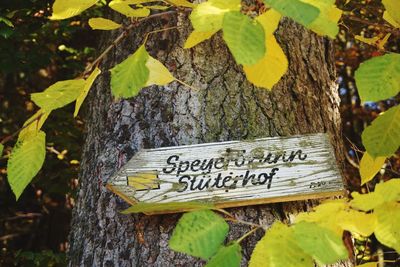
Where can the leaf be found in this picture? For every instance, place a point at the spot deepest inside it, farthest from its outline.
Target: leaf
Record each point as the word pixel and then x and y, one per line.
pixel 183 3
pixel 368 264
pixel 322 244
pixel 327 21
pixel 63 9
pixel 199 234
pixel 378 78
pixel 387 230
pixel 388 18
pixel 356 222
pixel 384 192
pixel 103 24
pixel 123 7
pixel 393 8
pixel 274 60
pixel 159 74
pixel 382 137
pixel 325 215
pixel 25 162
pixel 268 251
pixel 165 207
pixel 131 75
pixel 375 41
pixel 85 90
pixel 229 256
pixel 35 124
pixel 1 149
pixel 197 37
pixel 6 22
pixel 59 94
pixel 299 11
pixel 244 37
pixel 369 167
pixel 208 16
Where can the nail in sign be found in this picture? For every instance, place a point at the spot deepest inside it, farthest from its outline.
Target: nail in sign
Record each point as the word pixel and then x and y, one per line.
pixel 234 173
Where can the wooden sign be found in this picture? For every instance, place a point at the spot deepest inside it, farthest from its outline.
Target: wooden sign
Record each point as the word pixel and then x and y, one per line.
pixel 234 173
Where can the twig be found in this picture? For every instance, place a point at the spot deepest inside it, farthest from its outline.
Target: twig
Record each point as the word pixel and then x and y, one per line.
pixel 122 36
pixel 247 234
pixel 381 26
pixel 11 136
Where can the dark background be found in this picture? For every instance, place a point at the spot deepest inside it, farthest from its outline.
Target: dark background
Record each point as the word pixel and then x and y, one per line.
pixel 37 52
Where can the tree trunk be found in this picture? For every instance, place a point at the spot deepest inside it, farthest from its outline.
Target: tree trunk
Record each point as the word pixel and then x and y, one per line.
pixel 225 107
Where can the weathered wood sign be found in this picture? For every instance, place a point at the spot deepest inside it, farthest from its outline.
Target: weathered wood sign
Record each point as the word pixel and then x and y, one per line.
pixel 233 173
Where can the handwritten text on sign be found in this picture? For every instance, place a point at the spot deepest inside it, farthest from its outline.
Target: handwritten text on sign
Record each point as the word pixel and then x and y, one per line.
pixel 232 173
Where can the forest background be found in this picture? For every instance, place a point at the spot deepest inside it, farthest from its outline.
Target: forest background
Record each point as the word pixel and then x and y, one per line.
pixel 35 52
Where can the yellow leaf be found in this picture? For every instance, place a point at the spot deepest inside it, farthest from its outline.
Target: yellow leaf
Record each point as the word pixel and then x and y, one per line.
pixel 35 124
pixel 123 7
pixel 366 202
pixel 63 9
pixel 103 24
pixel 384 192
pixel 369 264
pixel 388 18
pixel 388 225
pixel 370 41
pixel 370 166
pixel 197 37
pixel 183 3
pixel 85 90
pixel 356 222
pixel 270 69
pixel 393 8
pixel 269 253
pixel 325 215
pixel 159 74
pixel 375 41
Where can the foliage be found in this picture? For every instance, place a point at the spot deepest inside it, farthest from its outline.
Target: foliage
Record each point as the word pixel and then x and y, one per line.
pixel 315 236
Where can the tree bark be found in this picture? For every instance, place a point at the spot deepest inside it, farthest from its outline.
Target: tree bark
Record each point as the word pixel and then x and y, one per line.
pixel 225 107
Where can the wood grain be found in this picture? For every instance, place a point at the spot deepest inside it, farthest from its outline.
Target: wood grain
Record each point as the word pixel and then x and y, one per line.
pixel 303 167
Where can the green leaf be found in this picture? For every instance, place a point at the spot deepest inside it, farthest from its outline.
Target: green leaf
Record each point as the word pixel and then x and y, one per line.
pixel 59 94
pixel 382 137
pixel 378 78
pixel 208 16
pixel 85 90
pixel 199 234
pixel 63 9
pixel 6 22
pixel 33 125
pixel 131 75
pixel 384 192
pixel 387 230
pixel 229 256
pixel 1 149
pixel 103 24
pixel 297 10
pixel 183 3
pixel 167 207
pixel 25 162
pixel 322 244
pixel 269 252
pixel 244 37
pixel 123 7
pixel 327 21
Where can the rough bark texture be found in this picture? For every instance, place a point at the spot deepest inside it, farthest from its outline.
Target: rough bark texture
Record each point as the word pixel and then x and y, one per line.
pixel 226 107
